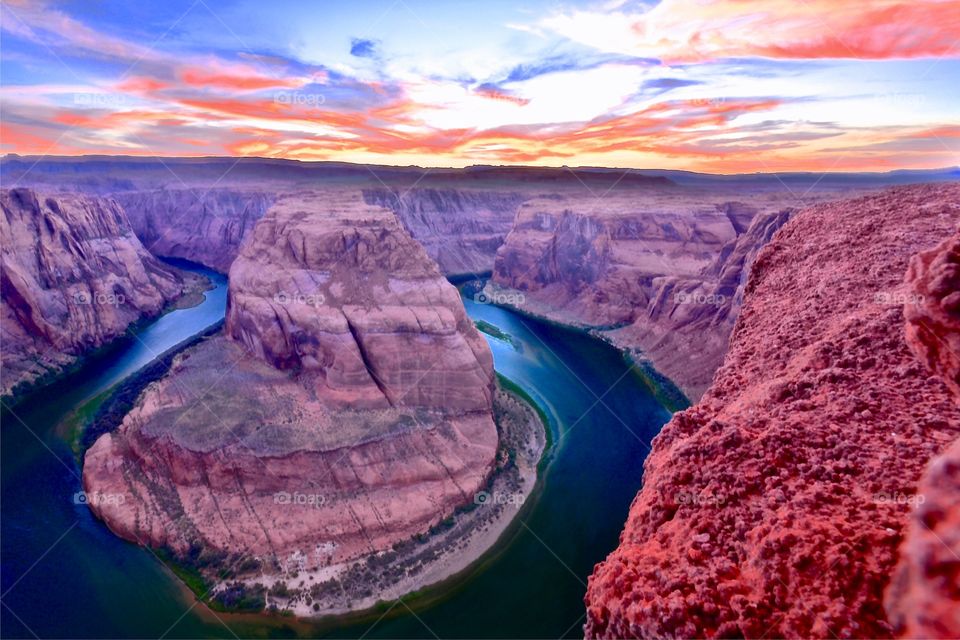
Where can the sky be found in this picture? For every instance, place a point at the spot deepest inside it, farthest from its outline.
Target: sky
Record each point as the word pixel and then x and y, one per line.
pixel 725 86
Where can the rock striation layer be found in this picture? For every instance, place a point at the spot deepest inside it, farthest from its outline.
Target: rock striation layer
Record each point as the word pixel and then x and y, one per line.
pixel 459 228
pixel 924 597
pixel 74 276
pixel 775 507
pixel 197 224
pixel 660 275
pixel 364 417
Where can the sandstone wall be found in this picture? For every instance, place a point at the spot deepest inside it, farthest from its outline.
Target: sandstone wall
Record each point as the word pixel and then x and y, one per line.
pixel 74 276
pixel 661 275
pixel 349 373
pixel 204 225
pixel 923 600
pixel 459 228
pixel 776 506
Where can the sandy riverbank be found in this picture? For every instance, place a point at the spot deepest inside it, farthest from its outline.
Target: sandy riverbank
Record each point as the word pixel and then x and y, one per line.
pixel 449 548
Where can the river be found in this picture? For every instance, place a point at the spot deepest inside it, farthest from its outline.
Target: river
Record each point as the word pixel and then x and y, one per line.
pixel 65 575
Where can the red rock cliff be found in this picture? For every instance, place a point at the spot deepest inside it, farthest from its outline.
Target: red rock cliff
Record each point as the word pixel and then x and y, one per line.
pixel 923 600
pixel 659 274
pixel 775 507
pixel 74 276
pixel 459 228
pixel 369 392
pixel 205 225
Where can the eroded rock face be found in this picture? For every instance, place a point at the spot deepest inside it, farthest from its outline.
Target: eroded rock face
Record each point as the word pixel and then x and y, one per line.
pixel 932 310
pixel 923 600
pixel 205 225
pixel 362 419
pixel 74 277
pixel 459 228
pixel 775 507
pixel 337 290
pixel 659 275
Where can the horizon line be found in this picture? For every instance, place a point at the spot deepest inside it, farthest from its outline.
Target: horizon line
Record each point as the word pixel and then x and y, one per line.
pixel 37 158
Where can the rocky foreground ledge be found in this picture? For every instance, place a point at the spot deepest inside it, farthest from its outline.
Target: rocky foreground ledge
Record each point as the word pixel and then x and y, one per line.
pixel 783 503
pixel 348 409
pixel 923 600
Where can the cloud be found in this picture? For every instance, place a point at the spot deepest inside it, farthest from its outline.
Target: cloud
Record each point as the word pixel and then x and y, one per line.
pixel 239 80
pixel 364 48
pixel 494 92
pixel 685 31
pixel 568 62
pixel 665 84
pixel 716 106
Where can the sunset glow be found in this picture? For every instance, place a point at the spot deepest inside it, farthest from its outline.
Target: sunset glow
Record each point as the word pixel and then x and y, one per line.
pixel 709 85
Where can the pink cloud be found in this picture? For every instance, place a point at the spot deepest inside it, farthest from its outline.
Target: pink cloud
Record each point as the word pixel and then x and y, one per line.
pixel 683 31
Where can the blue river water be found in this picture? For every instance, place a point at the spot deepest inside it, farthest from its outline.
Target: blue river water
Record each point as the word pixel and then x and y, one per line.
pixel 63 574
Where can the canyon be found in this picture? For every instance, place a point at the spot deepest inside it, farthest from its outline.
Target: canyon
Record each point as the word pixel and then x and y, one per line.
pixel 459 228
pixel 348 375
pixel 197 224
pixel 74 277
pixel 658 274
pixel 782 503
pixel 653 262
pixel 325 449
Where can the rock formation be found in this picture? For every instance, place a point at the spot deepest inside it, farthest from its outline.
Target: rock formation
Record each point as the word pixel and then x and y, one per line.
pixel 74 277
pixel 775 507
pixel 660 275
pixel 198 224
pixel 923 600
pixel 460 228
pixel 363 419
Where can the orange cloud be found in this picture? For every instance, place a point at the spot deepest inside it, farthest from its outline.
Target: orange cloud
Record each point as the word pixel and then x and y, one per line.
pixel 141 85
pixel 249 81
pixel 684 31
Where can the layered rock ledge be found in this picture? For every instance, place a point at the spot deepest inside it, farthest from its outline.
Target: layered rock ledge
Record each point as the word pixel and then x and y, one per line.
pixel 347 408
pixel 74 276
pixel 923 600
pixel 659 274
pixel 204 225
pixel 776 506
pixel 459 228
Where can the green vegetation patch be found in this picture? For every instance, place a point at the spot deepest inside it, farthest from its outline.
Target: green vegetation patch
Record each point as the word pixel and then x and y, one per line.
pixel 495 332
pixel 112 409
